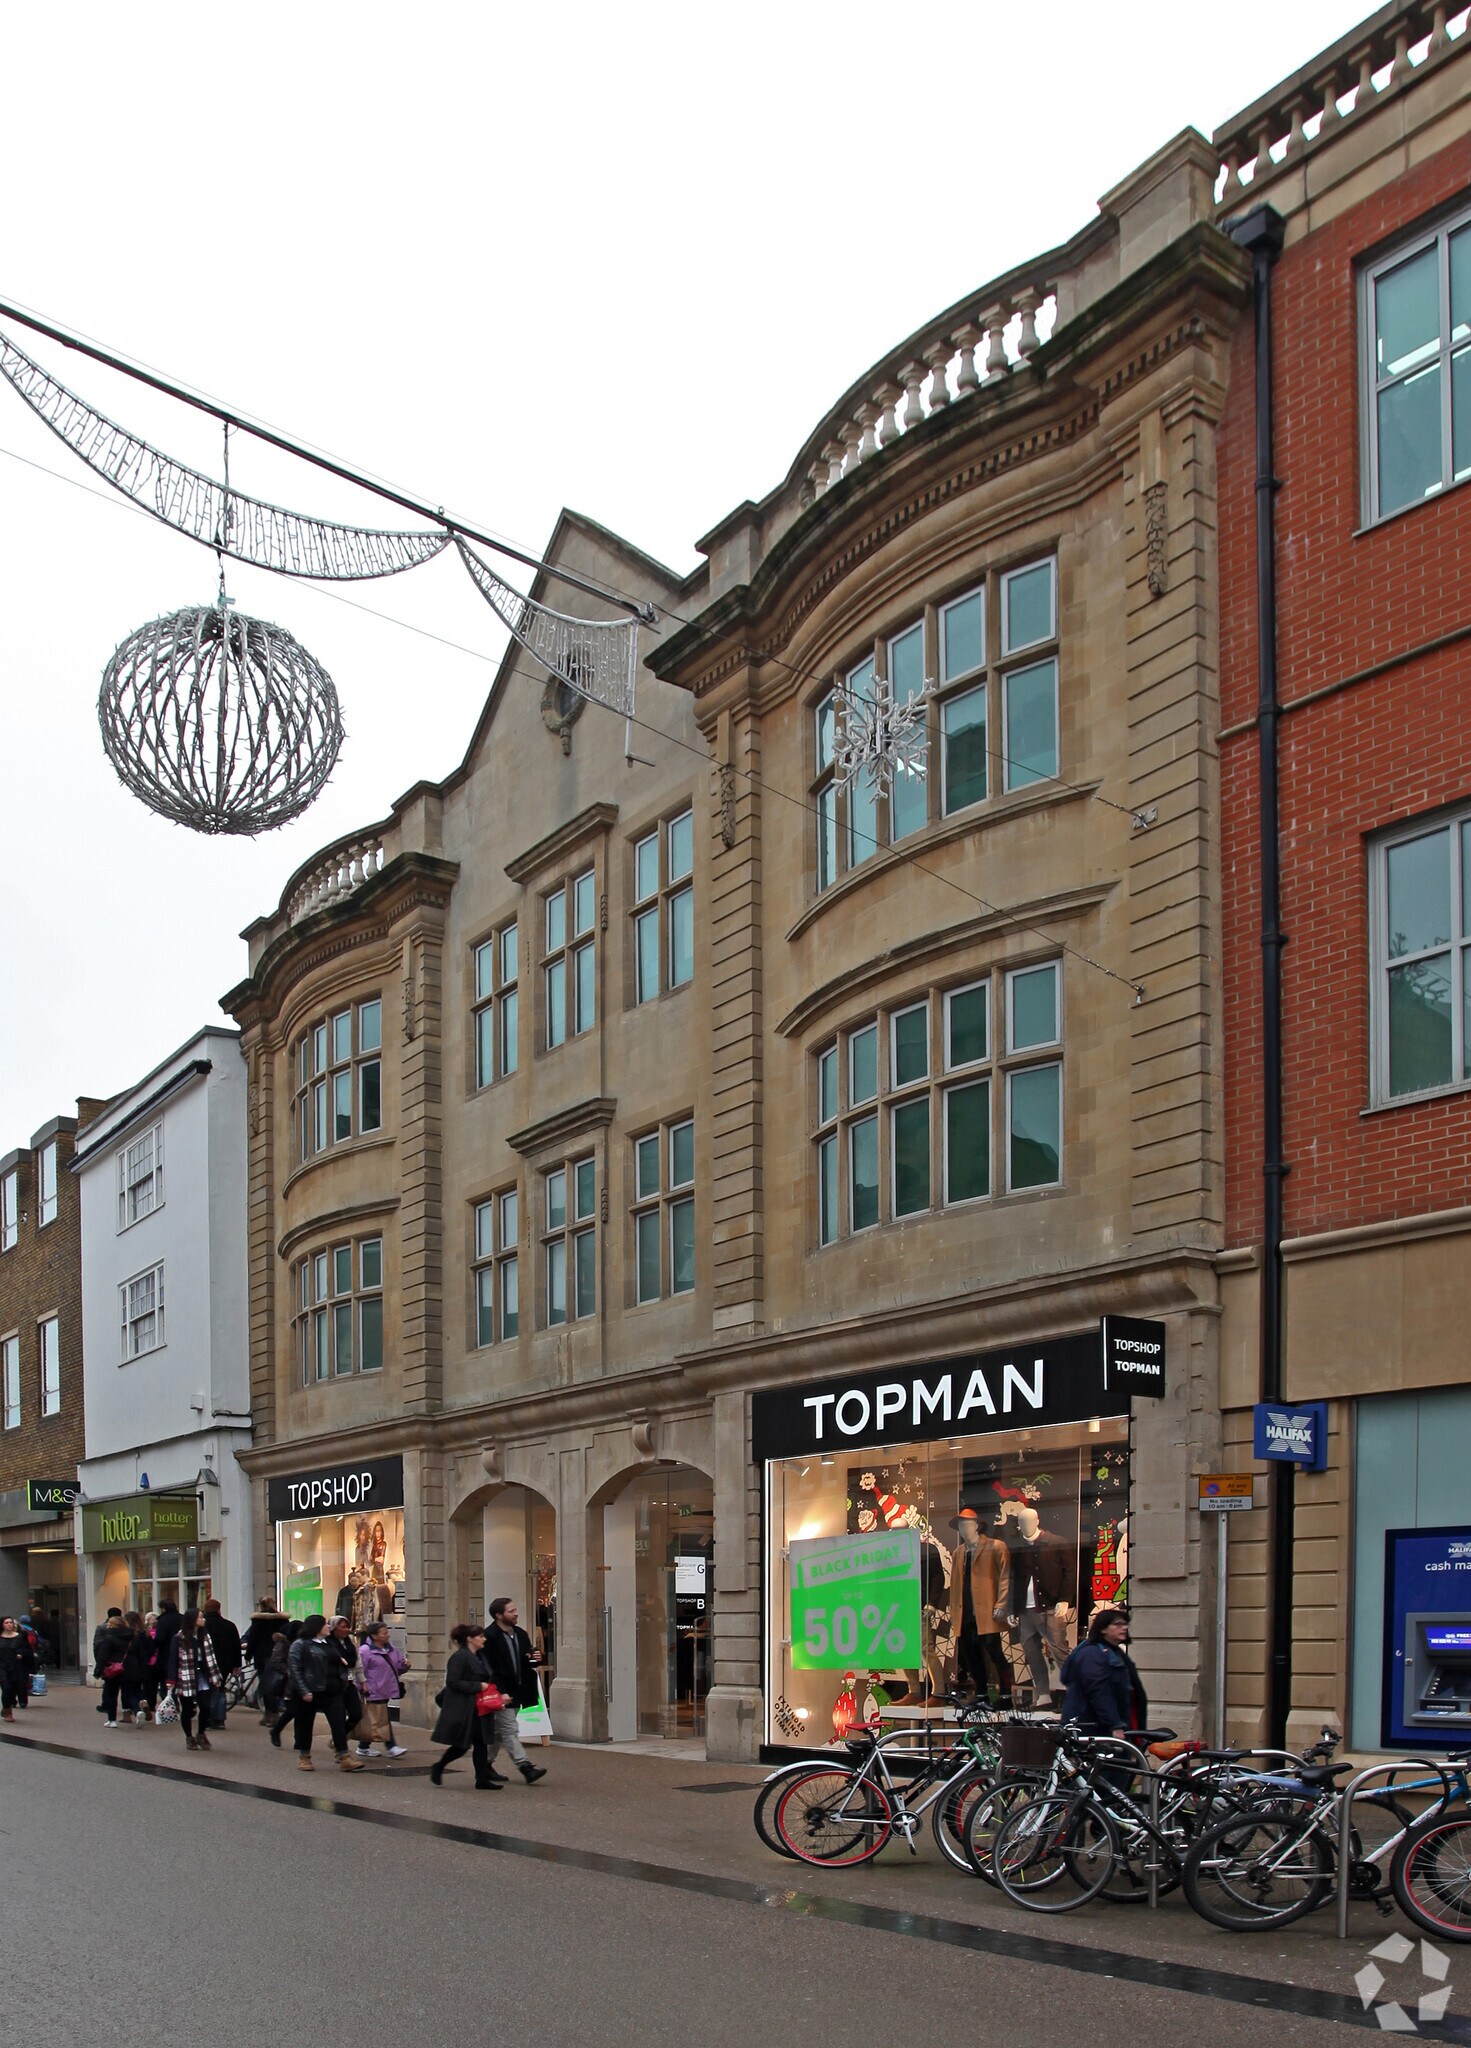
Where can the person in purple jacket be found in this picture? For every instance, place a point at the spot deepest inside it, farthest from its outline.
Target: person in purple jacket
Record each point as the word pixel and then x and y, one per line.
pixel 381 1667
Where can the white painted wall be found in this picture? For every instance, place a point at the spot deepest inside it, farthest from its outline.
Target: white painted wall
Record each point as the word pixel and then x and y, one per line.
pixel 184 1405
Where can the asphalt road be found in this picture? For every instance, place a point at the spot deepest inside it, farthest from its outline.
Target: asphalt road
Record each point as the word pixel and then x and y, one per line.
pixel 140 1909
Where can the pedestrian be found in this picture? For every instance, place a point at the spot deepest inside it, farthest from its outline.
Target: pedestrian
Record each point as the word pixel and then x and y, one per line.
pixel 512 1663
pixel 228 1654
pixel 343 1647
pixel 110 1648
pixel 1104 1693
pixel 289 1695
pixel 137 1663
pixel 318 1686
pixel 17 1662
pixel 460 1724
pixel 273 1676
pixel 152 1674
pixel 193 1674
pixel 166 1626
pixel 382 1666
pixel 113 1620
pixel 266 1623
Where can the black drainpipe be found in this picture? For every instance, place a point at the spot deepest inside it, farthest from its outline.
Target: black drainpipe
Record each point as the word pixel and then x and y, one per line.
pixel 1261 232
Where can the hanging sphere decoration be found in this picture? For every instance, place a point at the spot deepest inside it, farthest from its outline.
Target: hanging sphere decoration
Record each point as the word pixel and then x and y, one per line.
pixel 219 722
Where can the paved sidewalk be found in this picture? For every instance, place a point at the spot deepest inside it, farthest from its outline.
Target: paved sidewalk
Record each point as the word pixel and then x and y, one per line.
pixel 693 1816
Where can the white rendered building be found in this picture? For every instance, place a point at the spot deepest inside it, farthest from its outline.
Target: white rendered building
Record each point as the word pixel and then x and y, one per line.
pixel 164 1509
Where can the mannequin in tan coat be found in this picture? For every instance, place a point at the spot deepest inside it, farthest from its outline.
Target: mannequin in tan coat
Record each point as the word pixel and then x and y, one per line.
pixel 985 1560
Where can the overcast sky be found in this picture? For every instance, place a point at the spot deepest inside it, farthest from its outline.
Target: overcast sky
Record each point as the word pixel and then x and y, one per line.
pixel 511 258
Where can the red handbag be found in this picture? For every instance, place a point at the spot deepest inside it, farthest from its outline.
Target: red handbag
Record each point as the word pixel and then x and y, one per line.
pixel 490 1699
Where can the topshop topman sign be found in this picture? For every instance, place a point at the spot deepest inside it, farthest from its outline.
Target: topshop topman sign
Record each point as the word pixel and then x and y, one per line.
pixel 366 1484
pixel 1061 1380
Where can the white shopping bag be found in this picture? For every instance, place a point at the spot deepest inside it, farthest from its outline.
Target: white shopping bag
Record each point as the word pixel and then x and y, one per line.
pixel 535 1723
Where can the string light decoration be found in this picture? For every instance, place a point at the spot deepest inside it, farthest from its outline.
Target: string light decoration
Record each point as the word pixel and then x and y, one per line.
pixel 877 735
pixel 219 722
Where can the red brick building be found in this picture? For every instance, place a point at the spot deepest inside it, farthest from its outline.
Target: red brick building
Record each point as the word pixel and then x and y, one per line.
pixel 1370 318
pixel 41 1418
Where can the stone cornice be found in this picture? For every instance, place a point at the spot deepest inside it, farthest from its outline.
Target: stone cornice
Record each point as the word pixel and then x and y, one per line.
pixel 1382 1236
pixel 556 845
pixel 365 917
pixel 331 1220
pixel 592 1114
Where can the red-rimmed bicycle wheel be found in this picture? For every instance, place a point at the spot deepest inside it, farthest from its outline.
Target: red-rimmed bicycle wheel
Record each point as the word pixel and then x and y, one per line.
pixel 825 1816
pixel 1431 1876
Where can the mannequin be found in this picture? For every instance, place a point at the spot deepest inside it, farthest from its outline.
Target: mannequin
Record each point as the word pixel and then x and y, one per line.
pixel 1043 1573
pixel 979 1591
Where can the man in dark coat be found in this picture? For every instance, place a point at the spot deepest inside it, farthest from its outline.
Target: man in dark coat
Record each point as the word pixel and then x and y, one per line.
pixel 266 1624
pixel 512 1663
pixel 225 1637
pixel 169 1622
pixel 1104 1692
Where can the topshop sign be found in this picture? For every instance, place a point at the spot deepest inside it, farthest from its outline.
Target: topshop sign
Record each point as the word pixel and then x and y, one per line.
pixel 367 1484
pixel 1058 1381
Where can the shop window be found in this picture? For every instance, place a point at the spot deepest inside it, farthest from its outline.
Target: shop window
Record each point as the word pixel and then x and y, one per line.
pixel 664 908
pixel 1020 1536
pixel 46 1185
pixel 141 1300
pixel 907 1103
pixel 9 1210
pixel 497 1269
pixel 48 1351
pixel 338 1068
pixel 1415 353
pixel 569 1241
pixel 10 1379
pixel 992 652
pixel 569 958
pixel 339 1311
pixel 1420 937
pixel 664 1211
pixel 497 1006
pixel 344 1564
pixel 140 1177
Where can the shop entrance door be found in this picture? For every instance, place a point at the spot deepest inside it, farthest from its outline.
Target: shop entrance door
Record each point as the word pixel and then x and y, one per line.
pixel 658 1538
pixel 53 1605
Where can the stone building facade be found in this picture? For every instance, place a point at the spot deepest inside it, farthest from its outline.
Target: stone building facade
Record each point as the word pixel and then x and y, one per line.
pixel 610 1120
pixel 1365 157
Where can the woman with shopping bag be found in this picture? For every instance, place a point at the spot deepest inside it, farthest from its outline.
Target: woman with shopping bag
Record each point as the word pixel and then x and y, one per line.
pixel 467 1707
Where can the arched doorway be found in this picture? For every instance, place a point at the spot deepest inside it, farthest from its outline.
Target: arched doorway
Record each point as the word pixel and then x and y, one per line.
pixel 658 1548
pixel 519 1558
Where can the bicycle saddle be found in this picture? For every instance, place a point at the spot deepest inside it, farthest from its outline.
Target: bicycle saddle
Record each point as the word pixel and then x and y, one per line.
pixel 1221 1756
pixel 1322 1774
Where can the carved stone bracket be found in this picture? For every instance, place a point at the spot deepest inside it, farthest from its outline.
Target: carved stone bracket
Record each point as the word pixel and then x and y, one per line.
pixel 726 801
pixel 490 1461
pixel 1156 537
pixel 410 994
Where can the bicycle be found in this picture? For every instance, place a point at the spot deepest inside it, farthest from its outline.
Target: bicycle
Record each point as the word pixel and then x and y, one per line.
pixel 242 1688
pixel 1275 1862
pixel 846 1812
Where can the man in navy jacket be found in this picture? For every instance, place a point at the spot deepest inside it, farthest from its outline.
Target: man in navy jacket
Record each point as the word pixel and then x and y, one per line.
pixel 1104 1693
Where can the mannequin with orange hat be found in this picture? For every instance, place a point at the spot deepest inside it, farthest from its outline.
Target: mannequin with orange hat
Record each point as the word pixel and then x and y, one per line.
pixel 980 1580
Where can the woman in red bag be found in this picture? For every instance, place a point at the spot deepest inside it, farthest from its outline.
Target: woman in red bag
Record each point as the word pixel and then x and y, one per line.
pixel 467 1707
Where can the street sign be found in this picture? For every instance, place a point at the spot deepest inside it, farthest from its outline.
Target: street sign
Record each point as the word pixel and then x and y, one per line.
pixel 1225 1493
pixel 1293 1432
pixel 855 1602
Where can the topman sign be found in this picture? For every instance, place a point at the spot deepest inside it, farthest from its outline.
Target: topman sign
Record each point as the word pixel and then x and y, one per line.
pixel 1060 1380
pixel 358 1488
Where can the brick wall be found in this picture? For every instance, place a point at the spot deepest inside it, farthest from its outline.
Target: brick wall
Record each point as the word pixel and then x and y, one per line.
pixel 40 1276
pixel 1383 751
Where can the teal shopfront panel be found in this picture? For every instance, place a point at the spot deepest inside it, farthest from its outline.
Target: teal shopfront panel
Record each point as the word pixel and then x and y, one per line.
pixel 1412 1471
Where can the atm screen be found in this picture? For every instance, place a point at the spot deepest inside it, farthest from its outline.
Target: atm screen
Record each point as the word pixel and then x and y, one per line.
pixel 1447 1644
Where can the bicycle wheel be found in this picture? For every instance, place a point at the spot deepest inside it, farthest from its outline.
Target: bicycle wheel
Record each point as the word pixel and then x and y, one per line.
pixel 827 1816
pixel 950 1816
pixel 986 1817
pixel 1055 1853
pixel 1431 1875
pixel 766 1798
pixel 1259 1870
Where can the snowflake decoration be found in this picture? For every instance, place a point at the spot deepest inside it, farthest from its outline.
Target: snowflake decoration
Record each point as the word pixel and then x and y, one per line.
pixel 876 734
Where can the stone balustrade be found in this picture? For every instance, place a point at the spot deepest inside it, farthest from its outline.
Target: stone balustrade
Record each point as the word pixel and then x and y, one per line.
pixel 336 873
pixel 949 365
pixel 1366 67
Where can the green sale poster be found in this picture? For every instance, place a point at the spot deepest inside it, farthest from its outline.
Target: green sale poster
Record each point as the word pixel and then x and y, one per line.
pixel 855 1601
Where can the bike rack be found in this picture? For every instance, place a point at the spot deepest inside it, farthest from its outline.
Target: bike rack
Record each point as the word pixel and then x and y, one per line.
pixel 1345 1822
